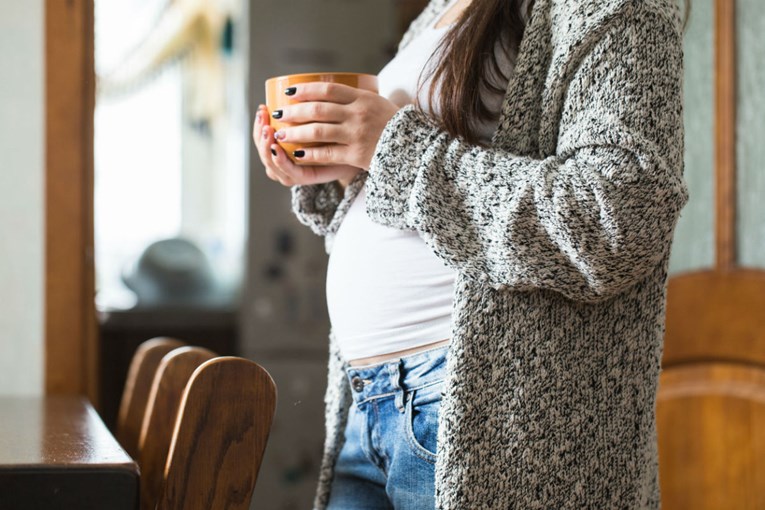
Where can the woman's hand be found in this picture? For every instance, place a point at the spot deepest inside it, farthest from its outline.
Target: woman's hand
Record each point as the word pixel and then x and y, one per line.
pixel 348 122
pixel 280 168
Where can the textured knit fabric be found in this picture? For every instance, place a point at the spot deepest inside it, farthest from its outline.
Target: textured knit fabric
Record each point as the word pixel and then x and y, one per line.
pixel 561 234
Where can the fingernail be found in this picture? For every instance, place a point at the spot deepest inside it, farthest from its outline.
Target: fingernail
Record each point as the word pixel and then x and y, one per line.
pixel 277 114
pixel 279 135
pixel 298 153
pixel 290 91
pixel 258 116
pixel 273 152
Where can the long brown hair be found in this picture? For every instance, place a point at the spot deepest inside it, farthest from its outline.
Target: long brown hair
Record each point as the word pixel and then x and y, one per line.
pixel 472 39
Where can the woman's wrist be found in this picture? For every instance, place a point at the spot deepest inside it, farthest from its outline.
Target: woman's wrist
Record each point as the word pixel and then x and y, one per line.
pixel 343 183
pixel 348 177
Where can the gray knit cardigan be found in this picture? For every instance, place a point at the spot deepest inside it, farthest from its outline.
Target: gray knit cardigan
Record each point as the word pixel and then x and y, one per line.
pixel 560 233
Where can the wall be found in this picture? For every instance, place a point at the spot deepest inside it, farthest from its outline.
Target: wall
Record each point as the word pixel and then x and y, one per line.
pixel 693 249
pixel 750 43
pixel 21 196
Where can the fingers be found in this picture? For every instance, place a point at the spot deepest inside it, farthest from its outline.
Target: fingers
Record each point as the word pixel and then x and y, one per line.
pixel 330 154
pixel 313 132
pixel 273 162
pixel 312 111
pixel 279 167
pixel 324 91
pixel 290 173
pixel 263 137
pixel 261 120
pixel 287 172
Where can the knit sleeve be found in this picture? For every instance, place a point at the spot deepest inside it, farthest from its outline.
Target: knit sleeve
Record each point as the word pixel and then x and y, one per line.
pixel 589 220
pixel 314 205
pixel 318 206
pixel 322 207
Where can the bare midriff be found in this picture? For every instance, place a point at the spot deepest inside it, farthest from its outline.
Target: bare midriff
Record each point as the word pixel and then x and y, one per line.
pixel 372 360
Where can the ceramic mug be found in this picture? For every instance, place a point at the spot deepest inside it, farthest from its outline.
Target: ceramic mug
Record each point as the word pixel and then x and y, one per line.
pixel 276 98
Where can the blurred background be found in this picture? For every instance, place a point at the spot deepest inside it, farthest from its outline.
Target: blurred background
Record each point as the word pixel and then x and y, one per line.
pixel 189 237
pixel 182 194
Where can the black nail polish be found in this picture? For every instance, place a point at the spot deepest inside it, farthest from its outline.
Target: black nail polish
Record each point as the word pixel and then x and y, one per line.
pixel 298 153
pixel 273 152
pixel 277 114
pixel 290 91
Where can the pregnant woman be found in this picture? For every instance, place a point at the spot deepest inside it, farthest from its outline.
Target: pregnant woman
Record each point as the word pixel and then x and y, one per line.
pixel 499 222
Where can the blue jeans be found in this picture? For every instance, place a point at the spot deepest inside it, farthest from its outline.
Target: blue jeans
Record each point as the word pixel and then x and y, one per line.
pixel 388 458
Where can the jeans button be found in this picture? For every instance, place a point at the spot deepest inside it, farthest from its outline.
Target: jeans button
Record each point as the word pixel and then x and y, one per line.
pixel 357 383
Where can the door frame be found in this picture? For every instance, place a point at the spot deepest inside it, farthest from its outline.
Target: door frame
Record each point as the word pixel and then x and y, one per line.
pixel 71 346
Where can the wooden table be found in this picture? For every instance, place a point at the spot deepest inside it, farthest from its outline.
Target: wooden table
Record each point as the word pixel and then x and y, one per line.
pixel 56 453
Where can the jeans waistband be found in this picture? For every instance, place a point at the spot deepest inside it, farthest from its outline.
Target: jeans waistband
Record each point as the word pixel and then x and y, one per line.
pixel 404 374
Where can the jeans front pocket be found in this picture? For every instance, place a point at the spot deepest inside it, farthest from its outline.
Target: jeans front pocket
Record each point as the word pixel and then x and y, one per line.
pixel 422 421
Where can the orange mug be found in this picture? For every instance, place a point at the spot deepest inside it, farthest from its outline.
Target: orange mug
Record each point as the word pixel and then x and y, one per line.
pixel 276 98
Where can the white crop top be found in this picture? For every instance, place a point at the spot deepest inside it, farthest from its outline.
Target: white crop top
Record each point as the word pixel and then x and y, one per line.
pixel 386 289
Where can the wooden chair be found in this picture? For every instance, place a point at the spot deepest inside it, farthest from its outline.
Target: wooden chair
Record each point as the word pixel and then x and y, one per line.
pixel 219 437
pixel 170 381
pixel 711 400
pixel 135 396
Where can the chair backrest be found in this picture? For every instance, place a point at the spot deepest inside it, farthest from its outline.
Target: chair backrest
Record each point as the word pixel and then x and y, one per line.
pixel 711 400
pixel 711 419
pixel 170 381
pixel 135 396
pixel 220 436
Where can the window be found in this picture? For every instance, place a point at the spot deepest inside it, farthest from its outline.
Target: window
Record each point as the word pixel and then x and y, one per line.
pixel 171 129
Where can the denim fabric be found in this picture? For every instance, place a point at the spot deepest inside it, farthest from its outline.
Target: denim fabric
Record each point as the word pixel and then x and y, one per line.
pixel 388 458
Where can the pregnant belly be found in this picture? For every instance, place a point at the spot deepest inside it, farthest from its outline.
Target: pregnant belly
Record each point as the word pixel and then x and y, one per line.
pixel 384 283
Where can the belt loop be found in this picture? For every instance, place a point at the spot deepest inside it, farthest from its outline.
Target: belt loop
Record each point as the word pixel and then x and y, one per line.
pixel 398 382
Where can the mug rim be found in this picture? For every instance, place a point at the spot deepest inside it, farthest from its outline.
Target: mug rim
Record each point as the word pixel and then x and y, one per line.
pixel 297 75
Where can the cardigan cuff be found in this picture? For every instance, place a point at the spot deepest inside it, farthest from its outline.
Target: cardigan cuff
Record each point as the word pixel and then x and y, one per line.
pixel 315 204
pixel 322 207
pixel 395 166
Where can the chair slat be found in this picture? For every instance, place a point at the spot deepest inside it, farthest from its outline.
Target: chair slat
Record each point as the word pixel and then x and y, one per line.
pixel 135 396
pixel 220 436
pixel 170 380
